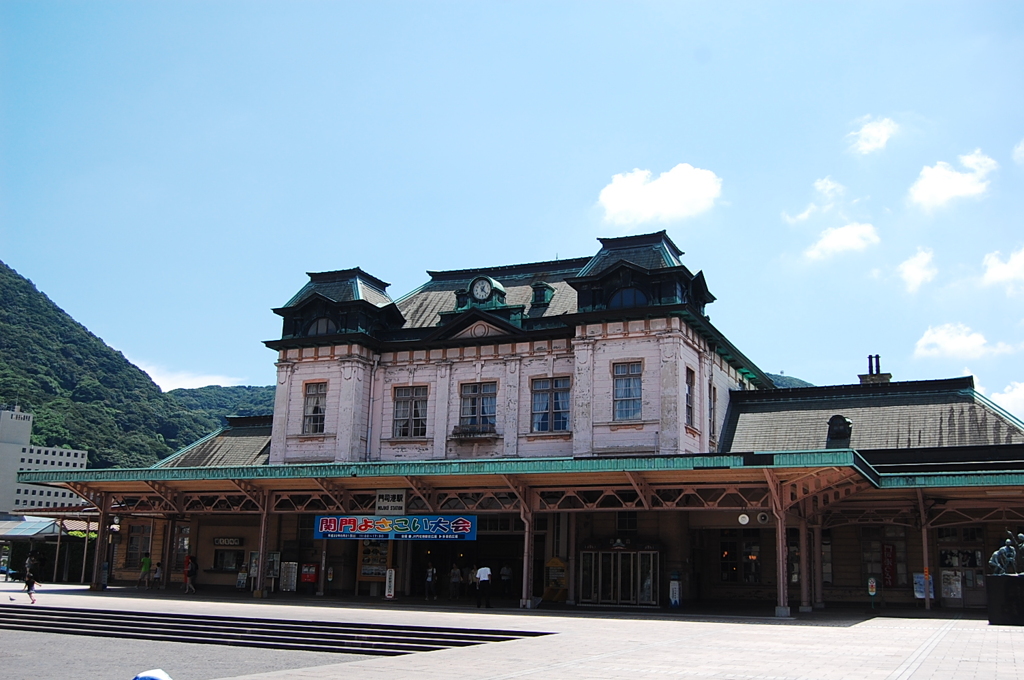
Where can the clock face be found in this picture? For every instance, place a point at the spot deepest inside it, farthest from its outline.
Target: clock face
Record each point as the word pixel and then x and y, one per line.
pixel 481 289
pixel 744 518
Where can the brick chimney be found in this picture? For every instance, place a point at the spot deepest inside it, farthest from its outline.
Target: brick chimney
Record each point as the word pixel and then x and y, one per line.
pixel 874 376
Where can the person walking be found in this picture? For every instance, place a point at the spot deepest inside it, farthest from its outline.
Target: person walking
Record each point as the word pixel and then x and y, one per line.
pixel 431 581
pixel 506 580
pixel 158 576
pixel 146 565
pixel 454 581
pixel 483 586
pixel 191 571
pixel 30 586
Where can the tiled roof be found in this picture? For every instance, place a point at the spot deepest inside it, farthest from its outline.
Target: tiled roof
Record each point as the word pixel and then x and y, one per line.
pixel 935 413
pixel 421 308
pixel 648 251
pixel 344 286
pixel 231 446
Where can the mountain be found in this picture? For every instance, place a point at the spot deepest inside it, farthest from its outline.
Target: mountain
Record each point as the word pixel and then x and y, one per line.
pixel 216 402
pixel 83 393
pixel 786 381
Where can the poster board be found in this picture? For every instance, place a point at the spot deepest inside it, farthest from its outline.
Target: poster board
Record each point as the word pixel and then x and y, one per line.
pixel 374 560
pixel 289 576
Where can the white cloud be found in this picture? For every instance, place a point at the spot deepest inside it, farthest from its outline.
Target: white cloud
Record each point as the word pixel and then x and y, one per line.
pixel 939 184
pixel 683 191
pixel 853 236
pixel 1018 153
pixel 1010 272
pixel 810 210
pixel 955 340
pixel 918 269
pixel 873 135
pixel 1011 398
pixel 172 380
pixel 829 188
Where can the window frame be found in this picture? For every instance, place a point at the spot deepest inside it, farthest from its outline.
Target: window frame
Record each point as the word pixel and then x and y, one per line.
pixel 478 402
pixel 552 413
pixel 409 425
pixel 636 410
pixel 314 423
pixel 691 385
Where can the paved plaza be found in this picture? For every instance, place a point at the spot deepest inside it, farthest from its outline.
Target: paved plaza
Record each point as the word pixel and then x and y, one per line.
pixel 829 645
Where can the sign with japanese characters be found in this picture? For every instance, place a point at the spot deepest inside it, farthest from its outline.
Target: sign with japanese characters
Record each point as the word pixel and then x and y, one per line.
pixel 888 565
pixel 405 527
pixel 390 501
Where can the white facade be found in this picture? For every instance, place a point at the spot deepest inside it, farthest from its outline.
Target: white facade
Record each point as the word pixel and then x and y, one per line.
pixel 361 394
pixel 17 453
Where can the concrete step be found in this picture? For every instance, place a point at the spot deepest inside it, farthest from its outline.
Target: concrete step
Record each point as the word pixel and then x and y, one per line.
pixel 282 634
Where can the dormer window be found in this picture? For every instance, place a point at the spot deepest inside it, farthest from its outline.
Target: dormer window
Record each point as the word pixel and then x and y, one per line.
pixel 542 294
pixel 627 297
pixel 322 326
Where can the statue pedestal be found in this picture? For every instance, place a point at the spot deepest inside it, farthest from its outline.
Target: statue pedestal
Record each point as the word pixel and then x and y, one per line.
pixel 1005 600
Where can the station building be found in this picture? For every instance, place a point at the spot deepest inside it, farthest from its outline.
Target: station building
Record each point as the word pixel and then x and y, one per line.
pixel 612 446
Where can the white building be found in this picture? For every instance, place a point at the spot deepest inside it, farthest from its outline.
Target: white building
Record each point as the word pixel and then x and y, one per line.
pixel 17 453
pixel 609 355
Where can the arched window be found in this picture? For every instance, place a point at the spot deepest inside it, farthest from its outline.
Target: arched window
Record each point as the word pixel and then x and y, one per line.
pixel 627 297
pixel 322 326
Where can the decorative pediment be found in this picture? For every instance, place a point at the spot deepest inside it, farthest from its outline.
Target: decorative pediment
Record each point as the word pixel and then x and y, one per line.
pixel 481 329
pixel 473 324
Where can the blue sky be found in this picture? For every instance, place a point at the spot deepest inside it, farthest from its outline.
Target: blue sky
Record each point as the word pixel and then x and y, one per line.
pixel 849 176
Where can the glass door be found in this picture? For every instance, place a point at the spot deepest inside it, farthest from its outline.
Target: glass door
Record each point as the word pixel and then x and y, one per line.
pixel 647 577
pixel 608 578
pixel 627 577
pixel 588 577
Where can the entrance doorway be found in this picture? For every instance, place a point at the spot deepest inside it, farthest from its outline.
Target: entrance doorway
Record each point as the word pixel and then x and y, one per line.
pixel 619 577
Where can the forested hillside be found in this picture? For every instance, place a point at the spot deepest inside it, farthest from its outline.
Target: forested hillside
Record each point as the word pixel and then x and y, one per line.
pixel 786 381
pixel 84 394
pixel 216 401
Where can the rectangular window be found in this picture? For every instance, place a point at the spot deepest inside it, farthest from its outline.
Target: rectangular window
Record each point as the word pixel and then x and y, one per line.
pixel 740 553
pixel 625 522
pixel 628 391
pixel 181 547
pixel 138 543
pixel 690 378
pixel 712 398
pixel 550 405
pixel 228 560
pixel 314 408
pixel 884 554
pixel 410 412
pixel 479 403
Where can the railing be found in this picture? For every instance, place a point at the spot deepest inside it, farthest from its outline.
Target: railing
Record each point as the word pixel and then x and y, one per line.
pixel 474 432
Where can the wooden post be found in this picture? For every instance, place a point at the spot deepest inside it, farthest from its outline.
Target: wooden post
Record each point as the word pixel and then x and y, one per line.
pixel 781 548
pixel 261 567
pixel 805 572
pixel 924 550
pixel 100 552
pixel 167 553
pixel 526 601
pixel 819 570
pixel 56 557
pixel 323 568
pixel 571 549
pixel 781 563
pixel 85 549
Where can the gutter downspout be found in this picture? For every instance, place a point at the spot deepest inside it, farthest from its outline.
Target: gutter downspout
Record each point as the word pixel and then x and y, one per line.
pixel 369 409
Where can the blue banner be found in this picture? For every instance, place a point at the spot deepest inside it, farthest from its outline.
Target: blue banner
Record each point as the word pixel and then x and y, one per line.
pixel 404 527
